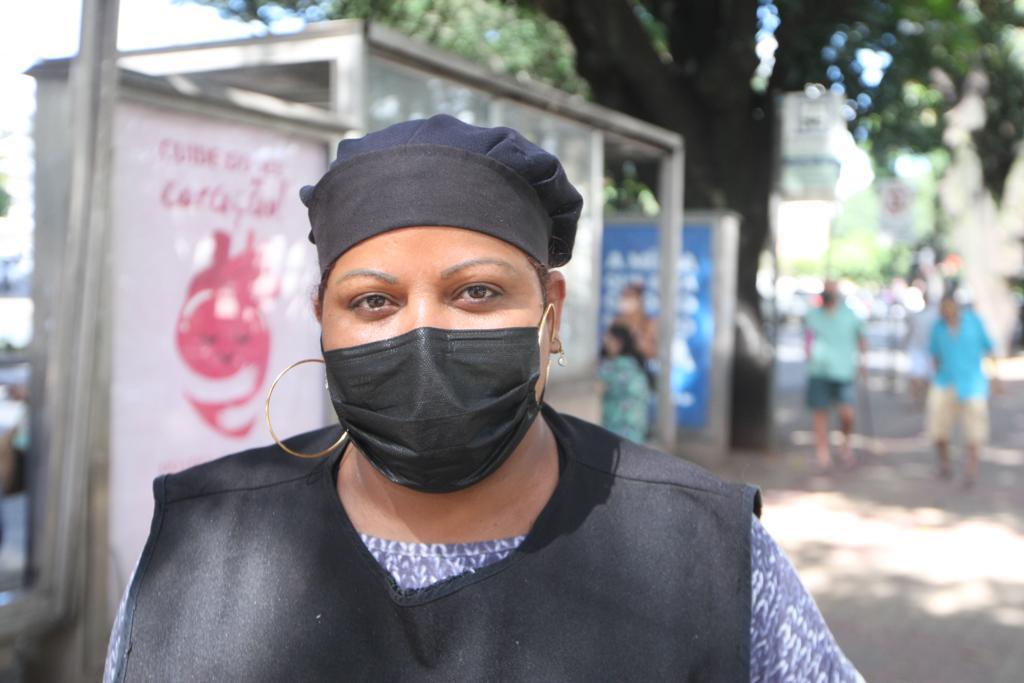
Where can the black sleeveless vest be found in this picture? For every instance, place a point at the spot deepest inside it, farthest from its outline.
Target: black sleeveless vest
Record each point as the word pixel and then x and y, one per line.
pixel 638 568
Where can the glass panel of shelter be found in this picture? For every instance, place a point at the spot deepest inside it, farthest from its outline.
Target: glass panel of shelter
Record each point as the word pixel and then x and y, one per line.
pixel 571 143
pixel 629 283
pixel 395 93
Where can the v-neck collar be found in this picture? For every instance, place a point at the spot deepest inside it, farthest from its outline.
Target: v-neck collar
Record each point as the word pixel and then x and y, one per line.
pixel 349 535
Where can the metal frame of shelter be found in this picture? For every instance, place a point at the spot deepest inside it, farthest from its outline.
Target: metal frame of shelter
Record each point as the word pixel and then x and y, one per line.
pixel 312 84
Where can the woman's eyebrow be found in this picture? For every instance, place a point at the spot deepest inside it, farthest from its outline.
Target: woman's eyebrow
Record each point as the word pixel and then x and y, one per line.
pixel 448 272
pixel 365 272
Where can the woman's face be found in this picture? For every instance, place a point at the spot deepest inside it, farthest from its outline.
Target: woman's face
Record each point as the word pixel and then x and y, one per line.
pixel 446 278
pixel 612 345
pixel 630 303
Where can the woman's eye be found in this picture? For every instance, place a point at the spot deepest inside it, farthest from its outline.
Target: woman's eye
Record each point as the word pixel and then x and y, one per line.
pixel 479 292
pixel 371 302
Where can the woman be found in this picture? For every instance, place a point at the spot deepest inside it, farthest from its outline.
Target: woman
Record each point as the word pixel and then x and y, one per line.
pixel 456 528
pixel 634 317
pixel 627 390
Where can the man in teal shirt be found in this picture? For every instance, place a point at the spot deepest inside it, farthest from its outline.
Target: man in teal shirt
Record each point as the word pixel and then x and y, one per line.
pixel 834 343
pixel 959 344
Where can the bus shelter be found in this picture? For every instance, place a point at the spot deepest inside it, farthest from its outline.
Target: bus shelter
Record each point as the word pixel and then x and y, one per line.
pixel 173 279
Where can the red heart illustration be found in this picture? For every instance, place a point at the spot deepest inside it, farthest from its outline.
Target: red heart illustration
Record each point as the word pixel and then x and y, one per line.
pixel 221 330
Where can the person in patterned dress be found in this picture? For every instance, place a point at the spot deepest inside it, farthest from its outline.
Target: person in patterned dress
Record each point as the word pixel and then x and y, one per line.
pixel 627 387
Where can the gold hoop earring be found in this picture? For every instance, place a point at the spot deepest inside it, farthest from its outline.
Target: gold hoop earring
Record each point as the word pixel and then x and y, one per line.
pixel 270 426
pixel 543 319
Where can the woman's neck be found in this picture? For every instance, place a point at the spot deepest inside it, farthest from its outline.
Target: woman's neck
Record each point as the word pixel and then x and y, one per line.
pixel 504 504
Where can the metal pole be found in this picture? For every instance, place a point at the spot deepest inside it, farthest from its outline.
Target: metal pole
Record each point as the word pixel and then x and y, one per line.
pixel 670 243
pixel 73 504
pixel 831 239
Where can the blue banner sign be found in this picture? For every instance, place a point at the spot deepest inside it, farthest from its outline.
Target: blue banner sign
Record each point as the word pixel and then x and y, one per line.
pixel 630 255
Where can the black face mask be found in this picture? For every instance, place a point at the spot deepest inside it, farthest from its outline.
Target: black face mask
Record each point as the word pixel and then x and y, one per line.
pixel 437 410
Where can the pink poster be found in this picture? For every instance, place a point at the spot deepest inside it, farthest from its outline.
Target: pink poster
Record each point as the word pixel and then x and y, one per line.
pixel 212 283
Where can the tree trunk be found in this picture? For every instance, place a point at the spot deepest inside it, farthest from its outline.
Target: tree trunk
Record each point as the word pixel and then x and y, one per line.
pixel 753 359
pixel 750 151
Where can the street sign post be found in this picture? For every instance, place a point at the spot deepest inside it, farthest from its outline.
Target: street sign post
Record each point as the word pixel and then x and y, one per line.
pixel 896 209
pixel 810 142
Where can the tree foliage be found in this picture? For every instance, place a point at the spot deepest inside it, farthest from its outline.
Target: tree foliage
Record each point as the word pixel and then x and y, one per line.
pixel 930 50
pixel 504 36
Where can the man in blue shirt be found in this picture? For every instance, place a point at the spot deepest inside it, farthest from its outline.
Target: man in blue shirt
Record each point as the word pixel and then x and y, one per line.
pixel 834 343
pixel 959 344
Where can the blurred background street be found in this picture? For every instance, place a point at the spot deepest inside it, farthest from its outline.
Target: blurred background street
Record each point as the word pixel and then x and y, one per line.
pixel 918 579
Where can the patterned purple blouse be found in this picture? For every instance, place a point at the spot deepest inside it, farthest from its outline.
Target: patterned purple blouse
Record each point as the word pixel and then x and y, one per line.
pixel 790 641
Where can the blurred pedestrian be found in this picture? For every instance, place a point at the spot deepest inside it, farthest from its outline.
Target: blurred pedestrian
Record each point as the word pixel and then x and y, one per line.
pixel 959 344
pixel 633 316
pixel 627 386
pixel 917 345
pixel 834 342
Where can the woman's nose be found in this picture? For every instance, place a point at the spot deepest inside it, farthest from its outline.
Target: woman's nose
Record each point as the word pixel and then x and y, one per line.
pixel 426 311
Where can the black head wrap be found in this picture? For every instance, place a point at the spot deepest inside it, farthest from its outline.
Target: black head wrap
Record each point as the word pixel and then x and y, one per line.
pixel 441 171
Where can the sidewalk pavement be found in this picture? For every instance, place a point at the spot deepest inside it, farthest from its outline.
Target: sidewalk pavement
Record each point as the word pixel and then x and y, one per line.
pixel 919 580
